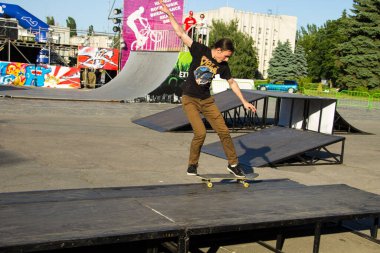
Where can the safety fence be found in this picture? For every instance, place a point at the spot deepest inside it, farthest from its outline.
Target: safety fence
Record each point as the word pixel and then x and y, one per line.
pixel 348 99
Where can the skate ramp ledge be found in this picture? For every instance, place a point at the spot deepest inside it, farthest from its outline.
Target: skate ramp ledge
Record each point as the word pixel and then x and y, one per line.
pixel 175 118
pixel 273 145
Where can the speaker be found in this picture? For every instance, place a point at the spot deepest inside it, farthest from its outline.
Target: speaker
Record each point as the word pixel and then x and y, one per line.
pixel 8 28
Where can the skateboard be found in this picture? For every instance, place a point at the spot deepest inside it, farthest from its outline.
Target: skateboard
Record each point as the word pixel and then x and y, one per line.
pixel 210 178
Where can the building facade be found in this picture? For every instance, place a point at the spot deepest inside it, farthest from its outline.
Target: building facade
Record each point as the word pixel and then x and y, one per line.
pixel 265 29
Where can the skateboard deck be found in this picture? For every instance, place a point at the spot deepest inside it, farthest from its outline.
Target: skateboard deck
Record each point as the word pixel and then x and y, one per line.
pixel 210 178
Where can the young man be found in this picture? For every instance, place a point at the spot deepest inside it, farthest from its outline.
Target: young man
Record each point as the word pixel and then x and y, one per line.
pixel 196 97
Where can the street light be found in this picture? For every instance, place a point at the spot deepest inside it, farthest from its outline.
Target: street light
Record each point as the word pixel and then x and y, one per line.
pixel 116 11
pixel 116 20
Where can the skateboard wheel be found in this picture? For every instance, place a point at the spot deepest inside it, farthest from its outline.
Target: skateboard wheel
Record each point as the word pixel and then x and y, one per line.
pixel 246 185
pixel 209 185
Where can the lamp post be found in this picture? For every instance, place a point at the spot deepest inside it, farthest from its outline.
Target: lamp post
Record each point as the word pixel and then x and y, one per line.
pixel 117 19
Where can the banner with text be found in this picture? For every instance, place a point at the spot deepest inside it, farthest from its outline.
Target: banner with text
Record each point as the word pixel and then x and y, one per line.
pixel 147 28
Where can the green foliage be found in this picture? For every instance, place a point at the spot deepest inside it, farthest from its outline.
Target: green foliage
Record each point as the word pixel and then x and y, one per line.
pixel 304 81
pixel 90 30
pixel 320 46
pixel 70 22
pixel 300 62
pixel 359 56
pixel 320 87
pixel 244 62
pixel 50 20
pixel 346 51
pixel 281 65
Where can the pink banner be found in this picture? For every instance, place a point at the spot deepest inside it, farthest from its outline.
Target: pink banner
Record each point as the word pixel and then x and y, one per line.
pixel 147 28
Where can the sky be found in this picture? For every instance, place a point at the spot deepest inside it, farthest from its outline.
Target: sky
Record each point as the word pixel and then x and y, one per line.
pixel 96 12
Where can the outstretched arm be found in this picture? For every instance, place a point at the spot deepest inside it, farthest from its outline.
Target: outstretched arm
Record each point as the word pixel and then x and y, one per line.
pixel 235 88
pixel 177 28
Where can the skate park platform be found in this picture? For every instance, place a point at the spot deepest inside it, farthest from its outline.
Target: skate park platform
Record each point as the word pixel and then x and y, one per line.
pixel 182 217
pixel 302 130
pixel 297 111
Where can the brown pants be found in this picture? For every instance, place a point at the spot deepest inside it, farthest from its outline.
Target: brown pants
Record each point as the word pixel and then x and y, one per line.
pixel 193 107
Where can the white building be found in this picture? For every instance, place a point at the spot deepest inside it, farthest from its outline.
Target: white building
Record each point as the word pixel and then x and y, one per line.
pixel 265 29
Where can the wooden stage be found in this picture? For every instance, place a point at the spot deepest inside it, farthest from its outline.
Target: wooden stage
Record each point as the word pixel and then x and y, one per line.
pixel 148 217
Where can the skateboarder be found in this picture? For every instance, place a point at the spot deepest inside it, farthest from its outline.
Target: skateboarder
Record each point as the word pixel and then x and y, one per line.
pixel 196 98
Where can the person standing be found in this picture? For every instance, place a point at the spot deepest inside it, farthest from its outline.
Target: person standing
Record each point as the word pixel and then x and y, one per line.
pixel 203 27
pixel 196 97
pixel 190 23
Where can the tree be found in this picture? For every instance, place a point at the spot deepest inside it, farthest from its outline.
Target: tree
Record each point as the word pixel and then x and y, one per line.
pixel 320 45
pixel 307 37
pixel 330 36
pixel 50 20
pixel 244 62
pixel 359 56
pixel 281 65
pixel 90 30
pixel 300 62
pixel 70 22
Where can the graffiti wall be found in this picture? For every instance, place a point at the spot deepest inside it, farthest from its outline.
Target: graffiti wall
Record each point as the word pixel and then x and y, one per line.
pixel 145 27
pixel 98 58
pixel 173 84
pixel 24 74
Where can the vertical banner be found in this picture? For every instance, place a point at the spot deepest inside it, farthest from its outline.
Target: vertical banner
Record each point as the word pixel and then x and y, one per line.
pixel 147 28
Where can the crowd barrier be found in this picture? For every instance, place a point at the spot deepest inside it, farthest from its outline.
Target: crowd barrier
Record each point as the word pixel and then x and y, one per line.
pixel 347 98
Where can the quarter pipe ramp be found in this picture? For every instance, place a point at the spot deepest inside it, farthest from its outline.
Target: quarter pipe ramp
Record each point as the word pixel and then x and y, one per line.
pixel 143 72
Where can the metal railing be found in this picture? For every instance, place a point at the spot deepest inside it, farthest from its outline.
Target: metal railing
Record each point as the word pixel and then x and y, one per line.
pixel 348 99
pixel 158 40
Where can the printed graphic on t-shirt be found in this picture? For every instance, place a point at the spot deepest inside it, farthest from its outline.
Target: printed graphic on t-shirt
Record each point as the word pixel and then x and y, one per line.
pixel 205 72
pixel 203 75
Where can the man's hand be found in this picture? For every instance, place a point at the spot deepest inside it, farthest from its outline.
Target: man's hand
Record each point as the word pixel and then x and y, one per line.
pixel 249 106
pixel 164 8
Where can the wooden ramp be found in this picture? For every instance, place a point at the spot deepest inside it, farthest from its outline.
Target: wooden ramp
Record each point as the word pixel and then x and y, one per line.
pixel 275 145
pixel 150 216
pixel 174 119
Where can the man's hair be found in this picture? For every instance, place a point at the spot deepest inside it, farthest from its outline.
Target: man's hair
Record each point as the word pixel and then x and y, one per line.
pixel 225 44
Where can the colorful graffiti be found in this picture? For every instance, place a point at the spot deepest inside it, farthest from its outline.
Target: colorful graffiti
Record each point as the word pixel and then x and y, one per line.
pixel 23 74
pixel 98 58
pixel 147 28
pixel 173 84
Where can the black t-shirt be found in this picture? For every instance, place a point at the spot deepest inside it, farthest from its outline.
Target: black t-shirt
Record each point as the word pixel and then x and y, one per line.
pixel 202 70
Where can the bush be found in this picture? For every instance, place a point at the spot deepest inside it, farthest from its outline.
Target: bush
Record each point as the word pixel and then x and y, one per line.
pixel 320 87
pixel 259 82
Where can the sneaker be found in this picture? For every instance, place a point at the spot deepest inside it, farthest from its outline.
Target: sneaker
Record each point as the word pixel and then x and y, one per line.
pixel 192 170
pixel 236 170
